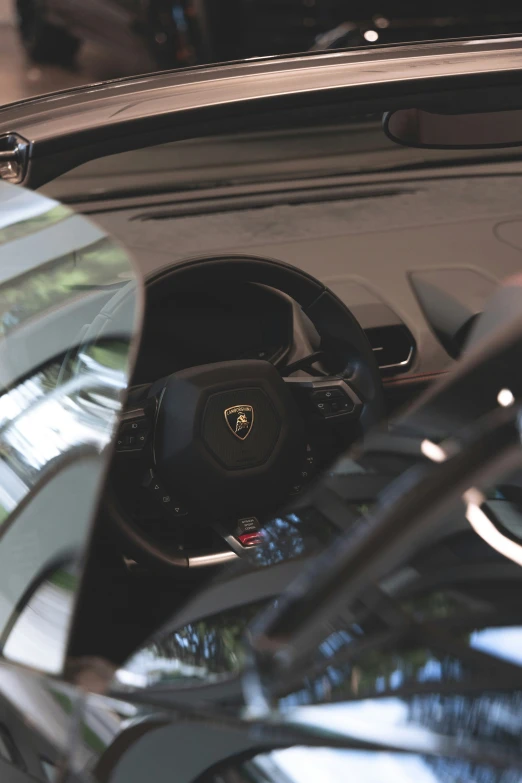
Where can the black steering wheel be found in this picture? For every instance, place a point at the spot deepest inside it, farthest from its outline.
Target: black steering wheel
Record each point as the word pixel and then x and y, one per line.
pixel 207 453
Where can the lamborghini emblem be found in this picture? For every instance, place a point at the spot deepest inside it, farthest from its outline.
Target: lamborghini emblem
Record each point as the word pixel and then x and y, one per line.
pixel 240 420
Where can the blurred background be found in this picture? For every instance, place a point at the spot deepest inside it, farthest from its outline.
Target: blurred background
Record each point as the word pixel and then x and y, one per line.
pixel 47 45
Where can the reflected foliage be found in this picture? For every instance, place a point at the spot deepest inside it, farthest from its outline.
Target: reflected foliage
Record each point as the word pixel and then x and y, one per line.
pixel 447 651
pixel 206 649
pixel 292 535
pixel 490 716
pixel 214 646
pixel 434 606
pixel 377 672
pixel 36 223
pixel 103 263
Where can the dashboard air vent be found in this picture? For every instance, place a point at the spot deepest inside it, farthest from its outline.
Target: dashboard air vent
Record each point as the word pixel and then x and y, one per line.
pixel 393 346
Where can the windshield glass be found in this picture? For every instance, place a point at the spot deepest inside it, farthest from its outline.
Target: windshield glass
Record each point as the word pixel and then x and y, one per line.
pixel 353 146
pixel 392 230
pixel 307 765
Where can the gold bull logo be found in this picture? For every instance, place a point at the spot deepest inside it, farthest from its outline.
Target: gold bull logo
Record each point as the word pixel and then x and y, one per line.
pixel 240 420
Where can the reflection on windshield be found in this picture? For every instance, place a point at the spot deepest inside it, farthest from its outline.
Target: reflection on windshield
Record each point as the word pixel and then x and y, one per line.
pixel 53 419
pixel 32 220
pixel 357 671
pixel 355 146
pixel 213 647
pixel 66 277
pixel 68 312
pixel 205 650
pixel 292 535
pixel 410 634
pixel 505 643
pixel 38 637
pixel 429 655
pixel 41 421
pixel 328 765
pixel 39 711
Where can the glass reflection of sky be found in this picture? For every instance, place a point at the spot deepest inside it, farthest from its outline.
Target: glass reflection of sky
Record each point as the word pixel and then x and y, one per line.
pixel 148 667
pixel 426 722
pixel 64 370
pixel 38 637
pixel 327 765
pixel 361 720
pixel 39 423
pixel 22 206
pixel 505 643
pixel 50 429
pixel 386 721
pixel 338 673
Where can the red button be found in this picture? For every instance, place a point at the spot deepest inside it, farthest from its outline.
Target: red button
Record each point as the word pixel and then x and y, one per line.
pixel 250 539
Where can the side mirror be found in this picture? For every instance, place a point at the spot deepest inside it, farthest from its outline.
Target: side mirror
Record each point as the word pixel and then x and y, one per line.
pixel 480 130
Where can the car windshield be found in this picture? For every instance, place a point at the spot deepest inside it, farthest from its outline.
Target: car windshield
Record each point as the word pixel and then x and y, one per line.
pixel 353 146
pixel 389 228
pixel 405 237
pixel 306 765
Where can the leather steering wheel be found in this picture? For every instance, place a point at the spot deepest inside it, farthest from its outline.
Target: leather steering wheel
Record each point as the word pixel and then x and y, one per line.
pixel 222 446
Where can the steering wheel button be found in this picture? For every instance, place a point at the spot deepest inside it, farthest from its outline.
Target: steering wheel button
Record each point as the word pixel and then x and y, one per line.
pixel 134 427
pixel 323 407
pixel 327 394
pixel 164 501
pixel 343 406
pixel 152 483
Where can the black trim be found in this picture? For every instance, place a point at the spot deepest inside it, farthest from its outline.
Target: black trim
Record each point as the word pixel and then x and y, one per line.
pixel 82 142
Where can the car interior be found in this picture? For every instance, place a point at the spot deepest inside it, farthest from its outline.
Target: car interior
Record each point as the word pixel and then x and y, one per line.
pixel 306 278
